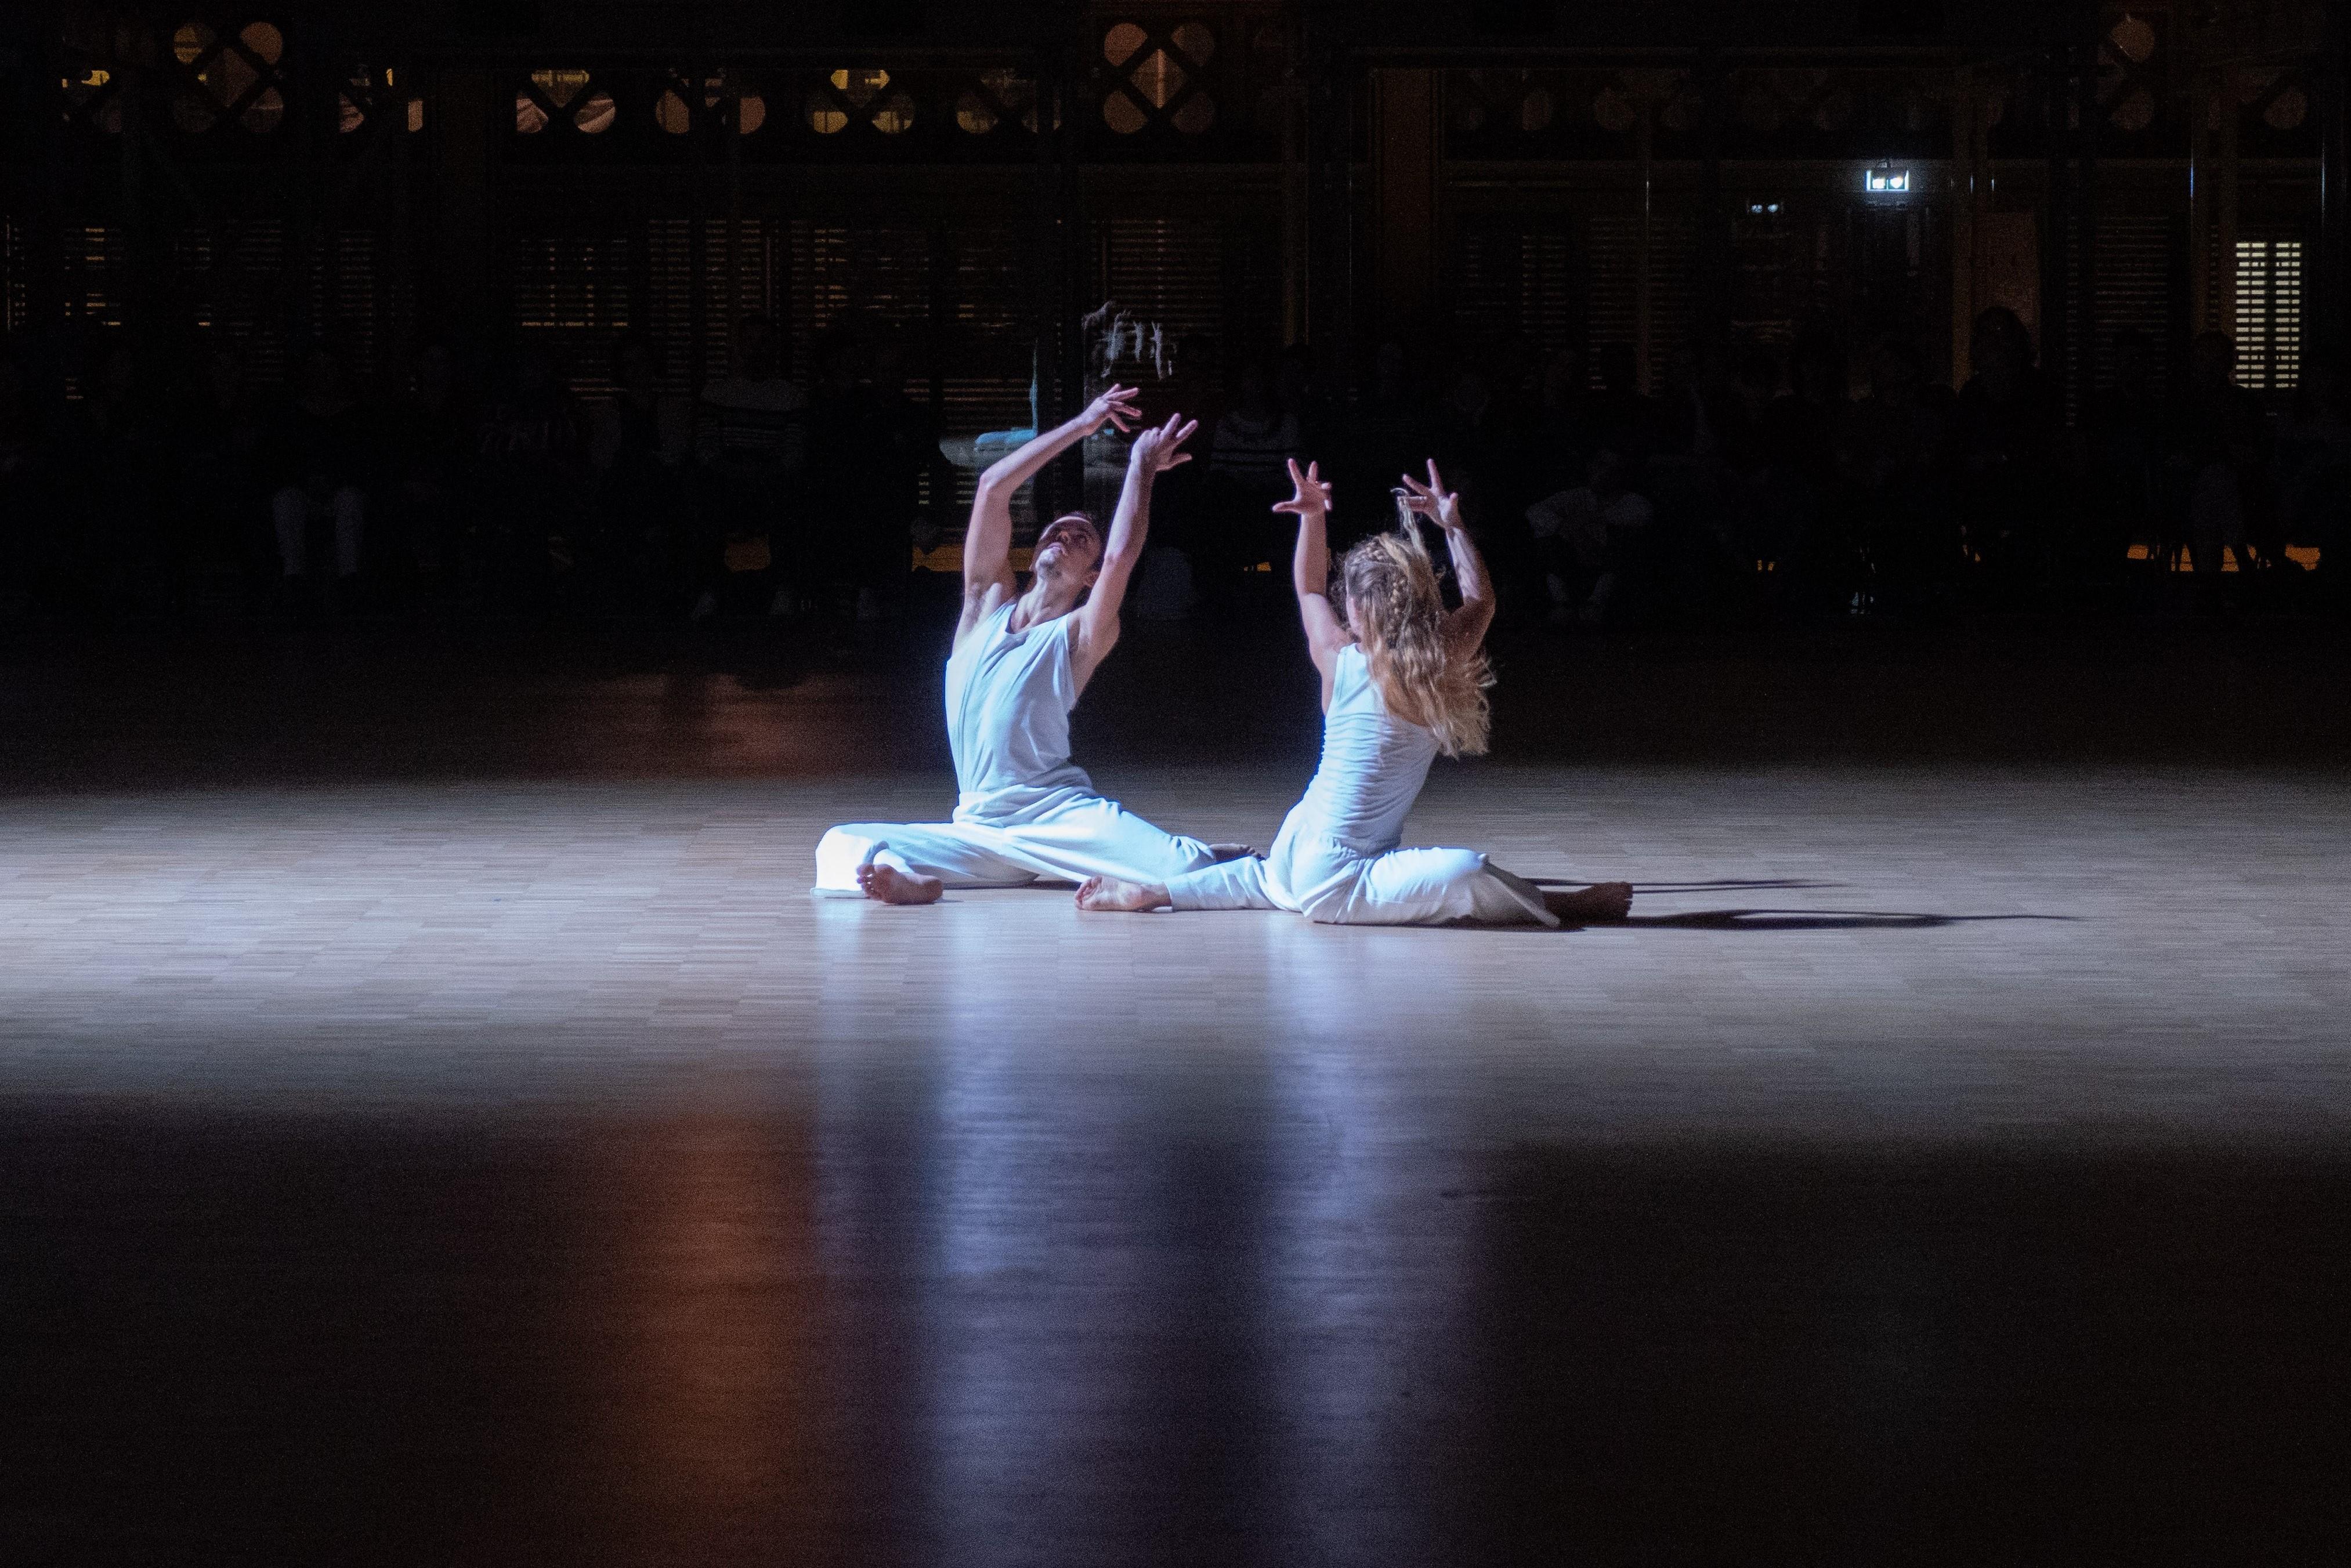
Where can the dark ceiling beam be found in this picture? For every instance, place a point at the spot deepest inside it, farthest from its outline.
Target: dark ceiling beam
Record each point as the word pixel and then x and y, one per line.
pixel 1452 31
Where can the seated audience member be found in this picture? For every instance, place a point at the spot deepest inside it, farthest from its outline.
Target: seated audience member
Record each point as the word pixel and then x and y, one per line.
pixel 1591 541
pixel 905 446
pixel 637 444
pixel 1256 438
pixel 533 473
pixel 836 494
pixel 1250 452
pixel 2123 430
pixel 27 508
pixel 2004 432
pixel 2311 471
pixel 1620 416
pixel 319 461
pixel 117 457
pixel 751 451
pixel 221 432
pixel 432 440
pixel 1891 456
pixel 1560 445
pixel 2217 459
pixel 1390 432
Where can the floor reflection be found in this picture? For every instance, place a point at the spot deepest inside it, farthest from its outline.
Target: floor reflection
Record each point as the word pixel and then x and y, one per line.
pixel 1259 1319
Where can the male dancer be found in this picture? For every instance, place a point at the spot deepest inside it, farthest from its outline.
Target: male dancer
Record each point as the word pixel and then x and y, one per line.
pixel 1019 661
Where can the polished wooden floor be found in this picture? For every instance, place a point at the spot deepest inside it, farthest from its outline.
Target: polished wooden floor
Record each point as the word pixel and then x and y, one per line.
pixel 436 1127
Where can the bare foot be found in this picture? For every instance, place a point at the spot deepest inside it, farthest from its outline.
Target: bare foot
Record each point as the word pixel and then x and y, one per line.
pixel 1223 852
pixel 1601 901
pixel 1108 895
pixel 892 885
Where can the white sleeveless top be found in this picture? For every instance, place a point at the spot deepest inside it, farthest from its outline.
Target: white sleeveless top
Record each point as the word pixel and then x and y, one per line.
pixel 1373 764
pixel 1008 699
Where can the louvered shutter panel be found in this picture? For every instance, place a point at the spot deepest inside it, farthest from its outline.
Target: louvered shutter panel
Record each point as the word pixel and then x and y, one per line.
pixel 13 262
pixel 2135 278
pixel 988 339
pixel 1517 279
pixel 1613 247
pixel 572 296
pixel 2268 311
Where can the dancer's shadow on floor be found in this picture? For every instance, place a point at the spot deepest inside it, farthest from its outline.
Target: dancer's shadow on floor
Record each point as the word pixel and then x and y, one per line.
pixel 1774 919
pixel 1812 920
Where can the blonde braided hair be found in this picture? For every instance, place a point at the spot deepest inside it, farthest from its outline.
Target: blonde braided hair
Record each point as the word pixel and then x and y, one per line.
pixel 1395 612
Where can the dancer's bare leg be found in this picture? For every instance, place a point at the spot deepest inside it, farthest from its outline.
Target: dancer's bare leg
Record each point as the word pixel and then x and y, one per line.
pixel 892 885
pixel 1601 901
pixel 1108 895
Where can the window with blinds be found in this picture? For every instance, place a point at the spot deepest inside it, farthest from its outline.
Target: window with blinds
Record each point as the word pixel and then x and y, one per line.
pixel 572 298
pixel 1532 279
pixel 1212 289
pixel 2269 314
pixel 93 261
pixel 1519 280
pixel 2141 289
pixel 234 279
pixel 12 277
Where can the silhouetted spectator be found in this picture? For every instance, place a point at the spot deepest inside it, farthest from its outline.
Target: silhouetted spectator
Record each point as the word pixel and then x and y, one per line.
pixel 905 443
pixel 117 459
pixel 533 474
pixel 2218 455
pixel 1560 445
pixel 1390 432
pixel 1594 543
pixel 1620 416
pixel 1249 470
pixel 319 460
pixel 430 448
pixel 28 518
pixel 2124 430
pixel 1893 458
pixel 2004 433
pixel 751 448
pixel 2312 468
pixel 1808 521
pixel 222 427
pixel 637 444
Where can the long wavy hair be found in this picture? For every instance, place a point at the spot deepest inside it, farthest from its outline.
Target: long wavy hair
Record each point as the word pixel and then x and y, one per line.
pixel 1395 612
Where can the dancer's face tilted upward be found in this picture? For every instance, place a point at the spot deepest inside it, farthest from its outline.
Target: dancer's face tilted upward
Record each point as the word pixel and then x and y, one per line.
pixel 1069 557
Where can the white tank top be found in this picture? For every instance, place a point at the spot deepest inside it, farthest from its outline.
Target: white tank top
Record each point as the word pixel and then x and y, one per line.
pixel 1008 699
pixel 1373 764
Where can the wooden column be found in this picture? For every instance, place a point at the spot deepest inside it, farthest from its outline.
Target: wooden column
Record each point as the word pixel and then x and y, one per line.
pixel 1327 65
pixel 1407 175
pixel 2224 197
pixel 459 116
pixel 1969 172
pixel 38 181
pixel 1713 258
pixel 1645 277
pixel 2084 319
pixel 2332 282
pixel 2058 223
pixel 2202 99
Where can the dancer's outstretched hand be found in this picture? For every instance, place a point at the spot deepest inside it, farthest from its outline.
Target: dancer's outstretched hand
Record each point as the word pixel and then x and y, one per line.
pixel 1313 491
pixel 1433 500
pixel 1155 450
pixel 1114 408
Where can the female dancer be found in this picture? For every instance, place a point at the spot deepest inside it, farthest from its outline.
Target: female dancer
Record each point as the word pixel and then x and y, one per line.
pixel 1402 680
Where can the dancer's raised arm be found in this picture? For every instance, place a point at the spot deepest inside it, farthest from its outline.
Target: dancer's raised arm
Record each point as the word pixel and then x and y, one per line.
pixel 987 543
pixel 1309 569
pixel 1465 626
pixel 1154 452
